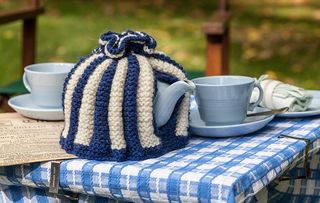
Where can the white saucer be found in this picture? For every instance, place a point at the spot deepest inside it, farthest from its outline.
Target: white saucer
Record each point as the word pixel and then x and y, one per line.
pixel 23 105
pixel 313 110
pixel 250 124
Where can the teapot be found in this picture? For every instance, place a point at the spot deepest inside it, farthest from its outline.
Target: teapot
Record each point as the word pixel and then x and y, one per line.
pixel 167 97
pixel 125 101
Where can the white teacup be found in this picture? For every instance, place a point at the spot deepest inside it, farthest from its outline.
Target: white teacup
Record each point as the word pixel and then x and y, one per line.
pixel 45 82
pixel 225 100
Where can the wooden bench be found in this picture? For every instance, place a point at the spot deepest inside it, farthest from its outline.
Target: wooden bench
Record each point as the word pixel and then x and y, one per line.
pixel 217 33
pixel 216 30
pixel 28 16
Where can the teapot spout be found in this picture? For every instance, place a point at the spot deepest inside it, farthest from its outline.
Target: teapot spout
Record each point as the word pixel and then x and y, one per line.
pixel 166 99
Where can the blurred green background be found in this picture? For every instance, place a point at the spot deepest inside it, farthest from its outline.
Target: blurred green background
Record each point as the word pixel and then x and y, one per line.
pixel 277 37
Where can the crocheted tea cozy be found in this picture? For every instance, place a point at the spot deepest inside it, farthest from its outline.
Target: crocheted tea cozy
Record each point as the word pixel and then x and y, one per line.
pixel 108 101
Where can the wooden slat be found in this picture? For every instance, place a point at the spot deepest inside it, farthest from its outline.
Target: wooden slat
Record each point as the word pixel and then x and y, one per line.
pixel 29 18
pixel 22 14
pixel 4 104
pixel 216 30
pixel 226 52
pixel 29 42
pixel 217 55
pixel 223 5
pixel 217 24
pixel 217 49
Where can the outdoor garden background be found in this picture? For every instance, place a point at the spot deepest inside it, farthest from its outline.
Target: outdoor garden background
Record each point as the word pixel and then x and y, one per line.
pixel 277 37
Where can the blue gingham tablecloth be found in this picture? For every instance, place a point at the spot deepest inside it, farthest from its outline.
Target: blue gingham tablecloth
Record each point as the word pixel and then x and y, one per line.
pixel 207 170
pixel 298 190
pixel 25 194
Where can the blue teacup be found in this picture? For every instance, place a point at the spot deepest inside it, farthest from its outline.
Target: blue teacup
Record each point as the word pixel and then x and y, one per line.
pixel 225 100
pixel 45 82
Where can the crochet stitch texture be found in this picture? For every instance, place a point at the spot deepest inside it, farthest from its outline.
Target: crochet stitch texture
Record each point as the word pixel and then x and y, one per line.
pixel 108 101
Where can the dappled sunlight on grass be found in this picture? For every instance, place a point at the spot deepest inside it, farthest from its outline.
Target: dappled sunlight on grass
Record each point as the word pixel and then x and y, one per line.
pixel 277 37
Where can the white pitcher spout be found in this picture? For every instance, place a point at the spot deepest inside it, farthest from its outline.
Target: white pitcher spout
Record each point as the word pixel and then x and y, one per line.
pixel 166 99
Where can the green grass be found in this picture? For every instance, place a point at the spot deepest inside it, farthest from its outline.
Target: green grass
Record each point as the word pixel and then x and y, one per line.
pixel 281 39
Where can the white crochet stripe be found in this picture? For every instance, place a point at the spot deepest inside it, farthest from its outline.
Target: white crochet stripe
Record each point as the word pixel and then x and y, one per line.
pixel 87 109
pixel 183 113
pixel 145 93
pixel 115 118
pixel 70 89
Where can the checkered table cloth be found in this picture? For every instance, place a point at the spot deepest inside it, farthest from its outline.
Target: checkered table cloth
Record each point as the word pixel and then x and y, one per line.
pixel 25 194
pixel 298 190
pixel 216 170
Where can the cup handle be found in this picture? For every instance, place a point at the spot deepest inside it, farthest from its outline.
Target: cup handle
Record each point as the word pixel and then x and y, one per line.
pixel 25 82
pixel 255 104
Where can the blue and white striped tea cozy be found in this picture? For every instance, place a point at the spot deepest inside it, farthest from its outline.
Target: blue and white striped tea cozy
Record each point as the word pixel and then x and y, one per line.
pixel 108 101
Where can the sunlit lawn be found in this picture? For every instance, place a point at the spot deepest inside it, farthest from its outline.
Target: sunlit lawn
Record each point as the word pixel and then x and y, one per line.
pixel 275 37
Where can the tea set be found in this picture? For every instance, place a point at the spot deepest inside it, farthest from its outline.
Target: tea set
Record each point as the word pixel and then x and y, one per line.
pixel 219 104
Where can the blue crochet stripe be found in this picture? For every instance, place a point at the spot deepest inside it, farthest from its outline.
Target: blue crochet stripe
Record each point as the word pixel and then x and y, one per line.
pixel 100 143
pixel 66 81
pixel 165 77
pixel 76 103
pixel 134 148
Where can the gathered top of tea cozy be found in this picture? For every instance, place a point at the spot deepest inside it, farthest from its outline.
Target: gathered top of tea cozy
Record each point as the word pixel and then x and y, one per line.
pixel 108 101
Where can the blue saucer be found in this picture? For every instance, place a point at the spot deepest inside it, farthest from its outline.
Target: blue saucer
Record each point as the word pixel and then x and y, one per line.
pixel 24 105
pixel 250 124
